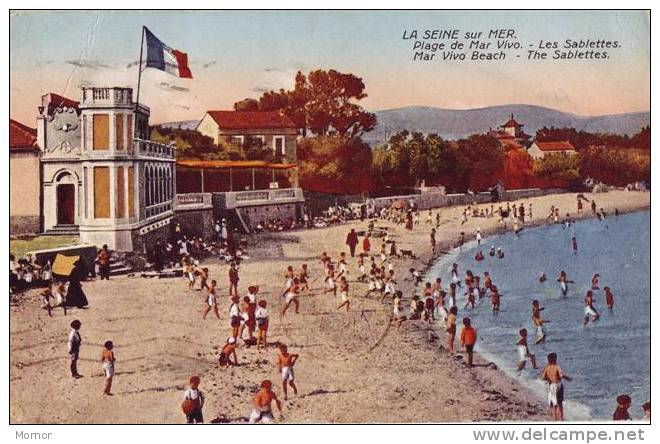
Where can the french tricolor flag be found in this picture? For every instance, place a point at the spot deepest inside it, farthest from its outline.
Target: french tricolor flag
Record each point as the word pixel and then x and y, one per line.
pixel 161 56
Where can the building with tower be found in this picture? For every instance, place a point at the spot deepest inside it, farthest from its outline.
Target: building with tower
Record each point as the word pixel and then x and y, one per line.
pixel 511 135
pixel 101 176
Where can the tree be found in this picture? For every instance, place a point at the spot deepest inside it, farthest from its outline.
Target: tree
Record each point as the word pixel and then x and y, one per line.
pixel 247 105
pixel 478 159
pixel 642 139
pixel 323 103
pixel 335 164
pixel 559 169
pixel 616 166
pixel 189 143
pixel 517 170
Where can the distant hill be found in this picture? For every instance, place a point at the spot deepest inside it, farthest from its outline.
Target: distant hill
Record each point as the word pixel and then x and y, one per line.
pixel 184 124
pixel 455 124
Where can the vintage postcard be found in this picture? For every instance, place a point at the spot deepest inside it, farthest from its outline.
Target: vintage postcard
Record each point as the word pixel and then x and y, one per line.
pixel 329 216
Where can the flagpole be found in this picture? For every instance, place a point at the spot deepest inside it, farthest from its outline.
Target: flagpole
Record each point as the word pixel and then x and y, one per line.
pixel 137 99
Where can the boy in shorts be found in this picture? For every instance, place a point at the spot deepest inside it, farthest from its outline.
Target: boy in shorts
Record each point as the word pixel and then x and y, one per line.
pixel 262 410
pixel 285 363
pixel 523 351
pixel 211 301
pixel 343 291
pixel 553 375
pixel 468 339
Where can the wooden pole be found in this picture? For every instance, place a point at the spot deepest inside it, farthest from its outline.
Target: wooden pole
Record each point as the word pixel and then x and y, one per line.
pixel 202 175
pixel 137 99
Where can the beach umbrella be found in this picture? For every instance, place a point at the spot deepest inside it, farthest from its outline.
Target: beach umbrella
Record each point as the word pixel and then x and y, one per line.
pixel 63 265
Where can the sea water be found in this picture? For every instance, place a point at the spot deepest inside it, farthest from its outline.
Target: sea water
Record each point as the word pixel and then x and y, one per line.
pixel 605 358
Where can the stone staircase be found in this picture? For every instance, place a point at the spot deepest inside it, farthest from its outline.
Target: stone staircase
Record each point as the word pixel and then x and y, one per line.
pixel 119 267
pixel 63 230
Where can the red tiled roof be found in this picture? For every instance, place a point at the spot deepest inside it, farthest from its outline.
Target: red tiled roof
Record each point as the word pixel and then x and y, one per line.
pixel 564 145
pixel 234 120
pixel 511 122
pixel 223 164
pixel 21 137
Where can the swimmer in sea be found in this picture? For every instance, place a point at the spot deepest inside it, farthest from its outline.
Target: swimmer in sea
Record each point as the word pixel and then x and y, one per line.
pixel 543 277
pixel 538 322
pixel 590 312
pixel 523 351
pixel 609 299
pixel 594 282
pixel 563 283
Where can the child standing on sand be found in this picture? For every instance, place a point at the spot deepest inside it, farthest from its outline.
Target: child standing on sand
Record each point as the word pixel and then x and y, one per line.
pixel 234 317
pixel 343 291
pixel 108 364
pixel 292 297
pixel 397 310
pixel 468 339
pixel 303 278
pixel 553 375
pixel 212 301
pixel 523 350
pixel 451 328
pixel 233 279
pixel 74 347
pixel 261 315
pixel 285 363
pixel 193 402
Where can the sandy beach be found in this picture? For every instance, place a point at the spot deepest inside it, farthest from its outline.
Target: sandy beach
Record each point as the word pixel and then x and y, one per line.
pixel 353 367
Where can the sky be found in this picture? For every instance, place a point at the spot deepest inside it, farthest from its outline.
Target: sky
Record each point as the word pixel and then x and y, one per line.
pixel 239 54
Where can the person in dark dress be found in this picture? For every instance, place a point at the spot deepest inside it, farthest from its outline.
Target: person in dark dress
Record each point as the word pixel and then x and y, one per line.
pixel 352 241
pixel 158 256
pixel 75 297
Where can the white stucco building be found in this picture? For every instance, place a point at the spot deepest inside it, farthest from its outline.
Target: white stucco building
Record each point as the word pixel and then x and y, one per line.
pixel 101 176
pixel 538 150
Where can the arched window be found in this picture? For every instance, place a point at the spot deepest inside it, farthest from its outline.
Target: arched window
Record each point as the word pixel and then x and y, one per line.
pixel 147 186
pixel 160 184
pixel 169 182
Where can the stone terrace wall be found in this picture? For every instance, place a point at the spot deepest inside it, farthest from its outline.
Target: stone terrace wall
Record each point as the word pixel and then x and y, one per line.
pixel 435 200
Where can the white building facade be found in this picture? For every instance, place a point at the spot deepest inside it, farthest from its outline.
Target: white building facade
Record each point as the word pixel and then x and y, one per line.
pixel 101 176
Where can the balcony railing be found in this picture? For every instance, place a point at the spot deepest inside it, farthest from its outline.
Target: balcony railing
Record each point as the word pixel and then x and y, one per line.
pixel 193 201
pixel 153 149
pixel 107 96
pixel 235 199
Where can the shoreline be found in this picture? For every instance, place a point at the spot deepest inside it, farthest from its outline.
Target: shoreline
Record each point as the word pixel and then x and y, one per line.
pixel 355 359
pixel 536 223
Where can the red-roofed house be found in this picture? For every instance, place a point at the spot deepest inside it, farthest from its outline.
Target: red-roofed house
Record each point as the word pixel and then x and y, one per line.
pixel 24 179
pixel 274 129
pixel 538 150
